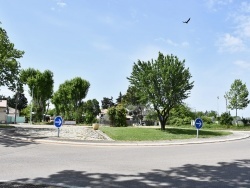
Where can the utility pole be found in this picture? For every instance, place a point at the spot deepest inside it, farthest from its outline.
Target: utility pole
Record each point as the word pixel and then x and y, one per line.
pixel 16 99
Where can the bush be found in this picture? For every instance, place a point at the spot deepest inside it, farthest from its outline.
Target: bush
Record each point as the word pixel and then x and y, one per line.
pixel 117 116
pixel 176 121
pixel 226 119
pixel 207 120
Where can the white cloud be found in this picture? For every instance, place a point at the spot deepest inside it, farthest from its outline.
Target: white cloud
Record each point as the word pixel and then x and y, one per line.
pixel 242 64
pixel 233 42
pixel 147 53
pixel 61 4
pixel 230 43
pixel 245 7
pixel 213 4
pixel 172 43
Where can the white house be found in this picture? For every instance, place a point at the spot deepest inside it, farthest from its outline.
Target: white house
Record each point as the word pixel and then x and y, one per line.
pixel 3 108
pixel 3 112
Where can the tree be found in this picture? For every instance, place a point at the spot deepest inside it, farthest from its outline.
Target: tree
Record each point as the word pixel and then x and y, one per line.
pixel 91 109
pixel 181 114
pixel 9 66
pixel 107 102
pixel 68 99
pixel 119 99
pixel 20 99
pixel 117 115
pixel 131 98
pixel 164 83
pixel 40 88
pixel 237 96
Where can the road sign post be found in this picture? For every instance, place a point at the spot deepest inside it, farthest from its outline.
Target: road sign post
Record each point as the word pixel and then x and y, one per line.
pixel 198 124
pixel 58 123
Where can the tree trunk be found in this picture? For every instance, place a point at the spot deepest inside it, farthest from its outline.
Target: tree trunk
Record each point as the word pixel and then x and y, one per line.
pixel 236 118
pixel 163 123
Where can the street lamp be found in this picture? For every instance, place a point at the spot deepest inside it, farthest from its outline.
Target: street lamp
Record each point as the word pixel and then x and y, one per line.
pixel 218 106
pixel 31 105
pixel 225 96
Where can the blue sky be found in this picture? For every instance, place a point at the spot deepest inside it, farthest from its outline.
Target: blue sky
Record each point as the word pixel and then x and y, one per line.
pixel 99 40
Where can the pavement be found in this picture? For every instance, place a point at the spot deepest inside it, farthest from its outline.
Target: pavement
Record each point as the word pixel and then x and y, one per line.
pixel 236 135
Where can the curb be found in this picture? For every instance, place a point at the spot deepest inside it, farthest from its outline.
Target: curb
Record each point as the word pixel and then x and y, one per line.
pixel 235 137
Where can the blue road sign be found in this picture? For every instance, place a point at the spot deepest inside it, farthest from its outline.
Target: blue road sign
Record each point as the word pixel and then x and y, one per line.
pixel 198 123
pixel 58 121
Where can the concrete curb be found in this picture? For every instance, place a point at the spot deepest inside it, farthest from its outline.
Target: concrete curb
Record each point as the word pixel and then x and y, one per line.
pixel 234 137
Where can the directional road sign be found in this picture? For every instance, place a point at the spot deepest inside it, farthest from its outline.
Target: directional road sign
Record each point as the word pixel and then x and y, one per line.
pixel 198 123
pixel 58 121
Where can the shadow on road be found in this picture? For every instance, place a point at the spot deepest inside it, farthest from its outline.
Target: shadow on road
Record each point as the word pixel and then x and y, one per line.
pixel 11 138
pixel 234 174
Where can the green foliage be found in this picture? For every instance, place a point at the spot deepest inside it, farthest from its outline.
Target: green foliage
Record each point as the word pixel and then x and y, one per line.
pixel 68 100
pixel 226 119
pixel 119 99
pixel 131 97
pixel 51 112
pixel 26 111
pixel 176 121
pixel 41 87
pixel 237 96
pixel 91 109
pixel 117 116
pixel 181 115
pixel 151 115
pixel 206 119
pixel 20 99
pixel 107 102
pixel 9 66
pixel 164 83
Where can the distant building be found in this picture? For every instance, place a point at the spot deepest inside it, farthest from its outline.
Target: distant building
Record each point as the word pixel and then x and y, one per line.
pixel 7 114
pixel 3 110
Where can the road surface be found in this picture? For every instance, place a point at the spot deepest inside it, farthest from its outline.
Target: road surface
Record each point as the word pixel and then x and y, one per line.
pixel 225 164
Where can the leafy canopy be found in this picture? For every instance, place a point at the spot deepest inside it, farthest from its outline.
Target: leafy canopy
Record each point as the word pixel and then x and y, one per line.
pixel 164 83
pixel 68 100
pixel 9 66
pixel 237 96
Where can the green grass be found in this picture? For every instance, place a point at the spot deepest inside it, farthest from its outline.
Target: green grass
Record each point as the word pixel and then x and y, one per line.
pixel 6 126
pixel 154 134
pixel 218 127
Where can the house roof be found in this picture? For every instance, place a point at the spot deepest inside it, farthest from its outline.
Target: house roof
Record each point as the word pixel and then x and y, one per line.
pixel 3 103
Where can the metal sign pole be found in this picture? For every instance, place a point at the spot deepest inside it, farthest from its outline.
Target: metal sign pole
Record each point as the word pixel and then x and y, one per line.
pixel 197 133
pixel 58 132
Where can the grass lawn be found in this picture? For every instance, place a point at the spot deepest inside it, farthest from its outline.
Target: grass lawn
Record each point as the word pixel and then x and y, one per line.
pixel 152 134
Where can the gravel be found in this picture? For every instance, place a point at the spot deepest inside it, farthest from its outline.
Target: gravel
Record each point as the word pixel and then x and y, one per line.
pixel 50 131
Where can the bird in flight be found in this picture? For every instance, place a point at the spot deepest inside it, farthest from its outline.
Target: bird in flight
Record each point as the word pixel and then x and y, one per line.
pixel 187 21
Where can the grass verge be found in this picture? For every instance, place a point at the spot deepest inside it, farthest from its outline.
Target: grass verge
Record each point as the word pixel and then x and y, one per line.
pixel 154 134
pixel 6 126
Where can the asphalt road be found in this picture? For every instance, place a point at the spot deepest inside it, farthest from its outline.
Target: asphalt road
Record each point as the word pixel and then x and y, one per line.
pixel 224 164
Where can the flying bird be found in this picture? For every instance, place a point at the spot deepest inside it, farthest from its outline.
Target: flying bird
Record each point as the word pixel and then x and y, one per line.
pixel 187 20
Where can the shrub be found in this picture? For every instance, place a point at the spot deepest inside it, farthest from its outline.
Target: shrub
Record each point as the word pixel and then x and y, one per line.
pixel 226 119
pixel 117 116
pixel 206 119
